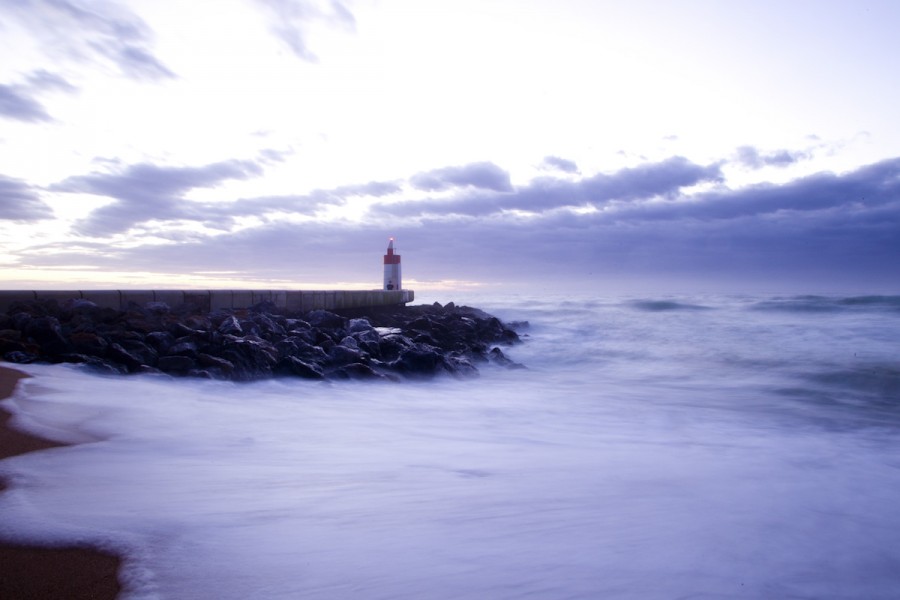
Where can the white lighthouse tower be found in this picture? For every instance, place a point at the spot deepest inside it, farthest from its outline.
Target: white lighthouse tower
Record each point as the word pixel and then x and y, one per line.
pixel 392 279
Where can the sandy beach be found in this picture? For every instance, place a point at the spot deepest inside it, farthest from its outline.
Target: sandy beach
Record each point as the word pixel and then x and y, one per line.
pixel 32 573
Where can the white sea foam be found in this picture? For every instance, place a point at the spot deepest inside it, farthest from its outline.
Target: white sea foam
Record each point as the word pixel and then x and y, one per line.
pixel 656 448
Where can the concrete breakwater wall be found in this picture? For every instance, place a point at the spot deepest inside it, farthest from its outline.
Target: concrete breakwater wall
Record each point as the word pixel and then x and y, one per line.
pixel 289 300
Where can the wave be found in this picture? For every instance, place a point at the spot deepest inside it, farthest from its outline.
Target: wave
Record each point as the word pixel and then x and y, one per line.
pixel 880 381
pixel 665 305
pixel 806 304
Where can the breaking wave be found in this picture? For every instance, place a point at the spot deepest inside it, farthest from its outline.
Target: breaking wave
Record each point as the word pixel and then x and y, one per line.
pixel 890 304
pixel 665 305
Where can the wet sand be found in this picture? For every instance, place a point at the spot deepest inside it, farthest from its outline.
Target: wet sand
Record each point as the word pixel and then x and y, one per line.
pixel 33 573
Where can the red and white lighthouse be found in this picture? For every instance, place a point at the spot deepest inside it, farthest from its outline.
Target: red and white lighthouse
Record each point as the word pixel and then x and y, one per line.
pixel 392 279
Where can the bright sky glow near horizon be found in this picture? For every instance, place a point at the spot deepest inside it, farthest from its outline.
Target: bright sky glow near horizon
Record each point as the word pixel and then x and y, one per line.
pixel 592 144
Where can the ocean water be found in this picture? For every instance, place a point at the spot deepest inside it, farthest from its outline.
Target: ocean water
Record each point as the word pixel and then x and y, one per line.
pixel 656 447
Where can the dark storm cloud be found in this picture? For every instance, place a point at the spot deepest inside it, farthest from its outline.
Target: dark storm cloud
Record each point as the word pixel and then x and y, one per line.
pixel 480 175
pixel 556 163
pixel 87 31
pixel 290 21
pixel 752 158
pixel 20 201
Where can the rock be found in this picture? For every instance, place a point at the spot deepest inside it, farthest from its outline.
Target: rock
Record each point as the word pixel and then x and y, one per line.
pixel 419 360
pixel 183 348
pixel 368 343
pixel 175 364
pixel 356 371
pixel 230 326
pixel 209 361
pixel 117 354
pixel 19 357
pixel 294 366
pixel 160 340
pixel 47 333
pixel 157 308
pixel 323 319
pixel 144 353
pixel 88 343
pixel 358 325
pixel 344 355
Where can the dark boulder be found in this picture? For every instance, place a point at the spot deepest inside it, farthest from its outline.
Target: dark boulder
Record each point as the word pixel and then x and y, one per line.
pixel 84 342
pixel 324 319
pixel 176 364
pixel 419 360
pixel 117 354
pixel 368 343
pixel 292 365
pixel 230 326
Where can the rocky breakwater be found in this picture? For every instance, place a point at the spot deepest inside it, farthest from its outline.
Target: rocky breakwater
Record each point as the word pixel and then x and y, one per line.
pixel 258 342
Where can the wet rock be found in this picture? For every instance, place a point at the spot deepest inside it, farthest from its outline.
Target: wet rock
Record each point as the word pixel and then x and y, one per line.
pixel 368 343
pixel 292 365
pixel 175 364
pixel 230 326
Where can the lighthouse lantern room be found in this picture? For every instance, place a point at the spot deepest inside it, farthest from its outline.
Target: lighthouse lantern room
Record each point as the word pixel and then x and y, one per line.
pixel 392 278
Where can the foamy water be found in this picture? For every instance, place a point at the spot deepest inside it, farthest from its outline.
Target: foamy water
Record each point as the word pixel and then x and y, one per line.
pixel 707 447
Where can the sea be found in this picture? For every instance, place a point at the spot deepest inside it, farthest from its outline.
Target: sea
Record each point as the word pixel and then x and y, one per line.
pixel 655 447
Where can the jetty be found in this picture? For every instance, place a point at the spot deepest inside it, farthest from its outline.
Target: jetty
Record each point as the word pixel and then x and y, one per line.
pixel 212 300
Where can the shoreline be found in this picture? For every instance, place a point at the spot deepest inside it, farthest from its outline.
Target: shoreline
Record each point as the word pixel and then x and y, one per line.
pixel 39 573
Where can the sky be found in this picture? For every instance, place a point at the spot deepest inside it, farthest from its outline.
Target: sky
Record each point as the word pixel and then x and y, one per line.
pixel 505 144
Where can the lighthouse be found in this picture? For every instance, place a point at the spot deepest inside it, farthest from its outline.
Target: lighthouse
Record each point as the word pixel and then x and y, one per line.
pixel 392 279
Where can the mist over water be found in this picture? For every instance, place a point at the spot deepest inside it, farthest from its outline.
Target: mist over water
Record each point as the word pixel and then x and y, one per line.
pixel 677 447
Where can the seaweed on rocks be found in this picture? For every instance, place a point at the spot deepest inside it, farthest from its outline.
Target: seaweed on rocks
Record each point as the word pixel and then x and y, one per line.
pixel 374 343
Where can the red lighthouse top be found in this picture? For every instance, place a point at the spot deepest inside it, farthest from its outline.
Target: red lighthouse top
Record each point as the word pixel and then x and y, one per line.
pixel 390 258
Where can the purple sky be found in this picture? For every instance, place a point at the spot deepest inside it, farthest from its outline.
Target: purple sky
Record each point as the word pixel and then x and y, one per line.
pixel 592 145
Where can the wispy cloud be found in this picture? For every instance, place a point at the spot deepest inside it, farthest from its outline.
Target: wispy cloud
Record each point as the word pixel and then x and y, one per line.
pixel 291 21
pixel 649 220
pixel 91 31
pixel 555 163
pixel 19 101
pixel 145 192
pixel 492 192
pixel 752 158
pixel 481 175
pixel 20 202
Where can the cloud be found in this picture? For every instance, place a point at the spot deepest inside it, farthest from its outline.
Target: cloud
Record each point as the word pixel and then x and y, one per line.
pixel 555 163
pixel 869 186
pixel 291 20
pixel 837 229
pixel 18 102
pixel 42 80
pixel 91 31
pixel 20 202
pixel 664 178
pixel 481 175
pixel 752 158
pixel 145 192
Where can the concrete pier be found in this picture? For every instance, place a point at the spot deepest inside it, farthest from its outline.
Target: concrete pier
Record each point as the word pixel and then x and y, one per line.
pixel 289 300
